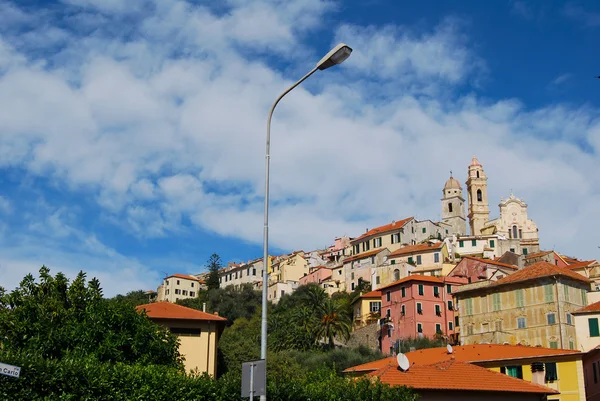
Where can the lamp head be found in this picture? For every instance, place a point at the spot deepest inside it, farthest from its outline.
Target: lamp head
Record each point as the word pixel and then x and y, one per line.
pixel 337 55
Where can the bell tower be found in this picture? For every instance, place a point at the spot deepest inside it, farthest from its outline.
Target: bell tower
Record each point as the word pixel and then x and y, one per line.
pixel 453 207
pixel 479 210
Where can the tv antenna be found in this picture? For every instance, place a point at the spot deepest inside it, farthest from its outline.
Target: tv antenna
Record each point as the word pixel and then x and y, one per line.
pixel 449 348
pixel 403 362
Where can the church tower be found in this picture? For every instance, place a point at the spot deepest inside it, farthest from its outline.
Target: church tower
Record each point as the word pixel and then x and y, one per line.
pixel 453 206
pixel 479 211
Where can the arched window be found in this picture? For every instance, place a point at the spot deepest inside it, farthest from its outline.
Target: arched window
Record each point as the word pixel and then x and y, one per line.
pixel 396 275
pixel 478 174
pixel 450 207
pixel 479 196
pixel 515 232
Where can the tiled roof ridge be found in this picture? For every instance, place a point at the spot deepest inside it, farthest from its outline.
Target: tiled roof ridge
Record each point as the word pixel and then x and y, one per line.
pixel 491 262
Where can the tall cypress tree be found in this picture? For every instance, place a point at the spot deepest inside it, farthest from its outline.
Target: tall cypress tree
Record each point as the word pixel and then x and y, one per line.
pixel 214 265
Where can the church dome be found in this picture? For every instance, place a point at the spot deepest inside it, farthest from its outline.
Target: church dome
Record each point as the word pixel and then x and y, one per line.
pixel 452 183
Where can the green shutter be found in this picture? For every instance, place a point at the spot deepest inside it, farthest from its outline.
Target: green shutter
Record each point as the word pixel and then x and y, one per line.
pixel 496 301
pixel 421 289
pixel 520 302
pixel 461 244
pixel 548 293
pixel 473 242
pixel 594 331
pixel 410 260
pixel 566 290
pixel 492 243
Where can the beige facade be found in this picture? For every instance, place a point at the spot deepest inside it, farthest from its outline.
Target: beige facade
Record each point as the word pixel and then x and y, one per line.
pixel 479 210
pixel 485 246
pixel 587 322
pixel 523 308
pixel 244 273
pixel 178 286
pixel 290 267
pixel 363 267
pixel 453 207
pixel 278 289
pixel 198 333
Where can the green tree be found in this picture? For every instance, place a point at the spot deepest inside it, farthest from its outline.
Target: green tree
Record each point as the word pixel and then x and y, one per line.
pixel 334 322
pixel 214 265
pixel 57 319
pixel 133 298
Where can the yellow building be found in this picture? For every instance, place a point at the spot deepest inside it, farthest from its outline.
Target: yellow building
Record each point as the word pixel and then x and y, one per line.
pixel 558 369
pixel 198 333
pixel 532 306
pixel 289 267
pixel 367 309
pixel 178 286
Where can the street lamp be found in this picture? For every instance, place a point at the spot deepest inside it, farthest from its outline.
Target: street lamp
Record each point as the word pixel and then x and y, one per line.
pixel 337 55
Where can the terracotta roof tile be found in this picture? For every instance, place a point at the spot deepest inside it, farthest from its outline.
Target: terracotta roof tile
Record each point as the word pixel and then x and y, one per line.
pixel 538 254
pixel 184 276
pixel 583 263
pixel 168 310
pixel 415 277
pixel 539 270
pixel 595 307
pixel 405 250
pixel 383 229
pixel 469 353
pixel 364 255
pixel 457 376
pixel 492 262
pixel 372 294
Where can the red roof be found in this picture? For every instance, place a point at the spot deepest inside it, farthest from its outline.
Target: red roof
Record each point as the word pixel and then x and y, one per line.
pixel 491 262
pixel 372 294
pixel 364 255
pixel 539 270
pixel 185 276
pixel 578 265
pixel 538 254
pixel 458 376
pixel 475 353
pixel 168 310
pixel 419 248
pixel 395 225
pixel 595 307
pixel 415 277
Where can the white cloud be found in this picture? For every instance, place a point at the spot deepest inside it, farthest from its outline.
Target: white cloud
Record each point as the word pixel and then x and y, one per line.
pixel 561 79
pixel 167 123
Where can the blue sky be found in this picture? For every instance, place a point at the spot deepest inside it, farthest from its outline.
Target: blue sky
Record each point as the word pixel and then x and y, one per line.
pixel 132 131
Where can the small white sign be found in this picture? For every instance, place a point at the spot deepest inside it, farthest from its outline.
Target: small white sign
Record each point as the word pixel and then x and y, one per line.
pixel 9 370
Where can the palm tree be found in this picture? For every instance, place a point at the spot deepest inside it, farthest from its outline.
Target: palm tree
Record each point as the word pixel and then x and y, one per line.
pixel 334 322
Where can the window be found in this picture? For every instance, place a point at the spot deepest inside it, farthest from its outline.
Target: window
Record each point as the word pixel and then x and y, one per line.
pixel 520 301
pixel 419 328
pixel 524 249
pixel 352 276
pixel 496 301
pixel 566 292
pixel 571 344
pixel 374 306
pixel 410 260
pixel 366 245
pixel 593 325
pixel 438 310
pixel 396 275
pixel 177 282
pixel 418 259
pixel 352 286
pixel 448 289
pixel 470 330
pixel 551 318
pixel 584 297
pixel 554 344
pixel 438 328
pixel 421 289
pixel 450 306
pixel 521 323
pixel 436 258
pixel 254 271
pixel 388 296
pixel 377 280
pixel 461 244
pixel 456 321
pixel 436 292
pixel 177 291
pixel 469 306
pixel 569 318
pixel 282 292
pixel 184 292
pixel 521 236
pixel 167 292
pixel 548 295
pixel 419 308
pixel 450 207
pixel 192 294
pixel 356 249
pixel 498 325
pixel 185 332
pixel 372 260
pixel 403 310
pixel 450 326
pixel 492 243
pixel 514 232
pixel 393 261
pixel 236 275
pixel 512 371
pixel 377 242
pixel 388 313
pixel 512 250
pixel 403 292
pixel 479 196
pixel 473 242
pixel 424 230
pixel 167 282
pixel 192 285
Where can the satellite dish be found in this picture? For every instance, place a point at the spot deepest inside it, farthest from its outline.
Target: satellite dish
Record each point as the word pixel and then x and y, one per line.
pixel 403 362
pixel 449 348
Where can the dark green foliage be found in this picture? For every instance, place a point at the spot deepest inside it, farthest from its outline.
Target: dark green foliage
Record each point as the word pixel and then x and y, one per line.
pixel 86 379
pixel 56 319
pixel 214 265
pixel 133 298
pixel 419 343
pixel 338 359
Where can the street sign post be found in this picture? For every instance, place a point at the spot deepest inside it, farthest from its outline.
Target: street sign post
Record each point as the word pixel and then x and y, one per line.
pixel 9 370
pixel 254 379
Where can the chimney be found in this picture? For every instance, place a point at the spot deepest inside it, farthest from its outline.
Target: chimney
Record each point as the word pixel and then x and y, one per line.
pixel 367 230
pixel 216 313
pixel 537 373
pixel 203 306
pixel 393 223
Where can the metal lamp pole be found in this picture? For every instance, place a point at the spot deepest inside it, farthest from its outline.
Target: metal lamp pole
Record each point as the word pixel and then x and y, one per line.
pixel 336 56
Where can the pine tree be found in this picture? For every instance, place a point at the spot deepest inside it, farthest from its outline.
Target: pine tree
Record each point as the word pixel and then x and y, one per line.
pixel 214 265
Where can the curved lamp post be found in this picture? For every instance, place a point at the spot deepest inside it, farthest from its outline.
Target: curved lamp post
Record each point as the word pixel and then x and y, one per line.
pixel 337 55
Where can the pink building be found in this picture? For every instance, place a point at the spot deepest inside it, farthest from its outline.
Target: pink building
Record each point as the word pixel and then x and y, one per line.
pixel 417 306
pixel 316 275
pixel 476 269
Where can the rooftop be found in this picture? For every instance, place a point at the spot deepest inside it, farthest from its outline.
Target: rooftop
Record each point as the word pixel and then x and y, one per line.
pixel 364 255
pixel 371 294
pixel 394 225
pixel 468 353
pixel 491 262
pixel 184 276
pixel 455 375
pixel 415 277
pixel 580 264
pixel 426 247
pixel 168 310
pixel 595 307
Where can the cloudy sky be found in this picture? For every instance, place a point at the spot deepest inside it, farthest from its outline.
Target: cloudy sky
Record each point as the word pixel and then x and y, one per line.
pixel 132 131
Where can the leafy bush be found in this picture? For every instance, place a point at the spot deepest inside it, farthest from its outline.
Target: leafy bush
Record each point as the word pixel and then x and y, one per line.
pixel 337 359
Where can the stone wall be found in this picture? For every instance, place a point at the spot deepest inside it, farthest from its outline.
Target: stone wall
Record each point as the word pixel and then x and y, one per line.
pixel 366 336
